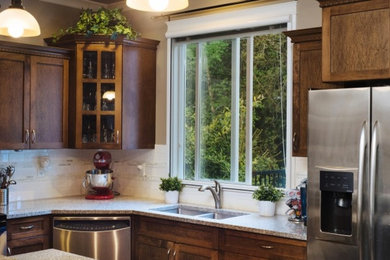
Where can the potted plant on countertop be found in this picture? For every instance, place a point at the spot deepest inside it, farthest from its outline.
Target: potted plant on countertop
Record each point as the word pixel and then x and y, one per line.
pixel 267 195
pixel 172 186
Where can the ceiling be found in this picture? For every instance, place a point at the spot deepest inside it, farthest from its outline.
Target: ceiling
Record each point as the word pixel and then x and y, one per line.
pixel 106 1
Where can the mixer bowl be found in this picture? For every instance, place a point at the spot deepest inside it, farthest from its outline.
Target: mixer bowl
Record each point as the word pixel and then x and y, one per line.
pixel 103 180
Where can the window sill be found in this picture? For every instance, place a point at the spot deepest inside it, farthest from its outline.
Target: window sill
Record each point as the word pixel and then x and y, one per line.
pixel 224 185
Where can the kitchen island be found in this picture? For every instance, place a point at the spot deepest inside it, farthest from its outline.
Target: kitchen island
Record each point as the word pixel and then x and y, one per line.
pixel 48 254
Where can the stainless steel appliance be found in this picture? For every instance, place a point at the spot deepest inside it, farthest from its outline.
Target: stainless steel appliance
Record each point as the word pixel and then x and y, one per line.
pixel 3 234
pixel 348 174
pixel 102 238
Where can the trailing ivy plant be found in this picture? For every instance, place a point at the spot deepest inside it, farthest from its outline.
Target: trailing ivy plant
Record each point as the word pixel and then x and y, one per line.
pixel 103 22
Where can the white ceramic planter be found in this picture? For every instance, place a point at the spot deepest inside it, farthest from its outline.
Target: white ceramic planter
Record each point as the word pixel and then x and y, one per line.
pixel 172 197
pixel 266 208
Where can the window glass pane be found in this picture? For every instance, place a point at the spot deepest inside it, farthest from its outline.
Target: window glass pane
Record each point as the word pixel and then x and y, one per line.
pixel 243 108
pixel 269 109
pixel 215 110
pixel 189 171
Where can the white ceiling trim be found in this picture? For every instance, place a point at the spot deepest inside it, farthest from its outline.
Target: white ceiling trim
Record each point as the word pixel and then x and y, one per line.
pixel 79 4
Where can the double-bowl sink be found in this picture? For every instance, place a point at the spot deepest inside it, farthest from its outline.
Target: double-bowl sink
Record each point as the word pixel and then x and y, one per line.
pixel 187 210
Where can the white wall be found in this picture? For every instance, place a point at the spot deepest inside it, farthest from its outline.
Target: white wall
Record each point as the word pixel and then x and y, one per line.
pixel 67 167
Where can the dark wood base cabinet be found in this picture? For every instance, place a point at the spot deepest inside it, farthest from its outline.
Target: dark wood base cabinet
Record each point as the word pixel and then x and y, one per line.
pixel 157 239
pixel 28 234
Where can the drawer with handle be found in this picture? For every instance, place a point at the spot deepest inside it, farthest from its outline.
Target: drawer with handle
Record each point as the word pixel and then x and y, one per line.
pixel 257 246
pixel 28 227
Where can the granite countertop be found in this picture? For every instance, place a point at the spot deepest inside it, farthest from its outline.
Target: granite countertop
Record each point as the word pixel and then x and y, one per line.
pixel 52 254
pixel 124 205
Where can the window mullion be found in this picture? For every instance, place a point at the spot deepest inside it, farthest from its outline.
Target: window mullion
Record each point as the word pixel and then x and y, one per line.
pixel 249 111
pixel 180 99
pixel 198 104
pixel 235 111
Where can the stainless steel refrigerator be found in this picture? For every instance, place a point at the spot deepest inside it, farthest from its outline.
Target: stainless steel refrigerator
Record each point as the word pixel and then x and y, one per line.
pixel 349 174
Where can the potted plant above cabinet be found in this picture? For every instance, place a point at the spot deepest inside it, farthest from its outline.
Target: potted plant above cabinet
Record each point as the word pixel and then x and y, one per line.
pixel 112 92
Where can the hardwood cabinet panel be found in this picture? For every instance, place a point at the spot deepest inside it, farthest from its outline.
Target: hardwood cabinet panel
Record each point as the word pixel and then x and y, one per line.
pixel 307 74
pixel 233 256
pixel 14 100
pixel 28 234
pixel 27 245
pixel 356 41
pixel 33 96
pixel 48 102
pixel 261 246
pixel 151 248
pixel 186 252
pixel 165 239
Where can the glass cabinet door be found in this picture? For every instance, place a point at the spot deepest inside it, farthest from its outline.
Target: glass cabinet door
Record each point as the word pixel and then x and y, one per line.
pixel 90 64
pixel 100 108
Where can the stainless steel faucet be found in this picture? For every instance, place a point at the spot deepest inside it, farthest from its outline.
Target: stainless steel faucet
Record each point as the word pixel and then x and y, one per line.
pixel 216 191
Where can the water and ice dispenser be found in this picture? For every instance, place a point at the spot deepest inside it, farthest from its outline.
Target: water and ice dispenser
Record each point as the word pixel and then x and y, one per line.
pixel 336 202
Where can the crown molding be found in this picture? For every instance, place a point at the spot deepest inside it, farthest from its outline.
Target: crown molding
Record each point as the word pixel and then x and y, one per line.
pixel 78 4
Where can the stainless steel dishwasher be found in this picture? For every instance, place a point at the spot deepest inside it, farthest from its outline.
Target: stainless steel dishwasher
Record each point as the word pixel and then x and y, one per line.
pixel 102 238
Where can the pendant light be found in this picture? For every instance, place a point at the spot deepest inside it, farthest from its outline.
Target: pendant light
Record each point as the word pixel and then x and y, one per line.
pixel 157 5
pixel 17 22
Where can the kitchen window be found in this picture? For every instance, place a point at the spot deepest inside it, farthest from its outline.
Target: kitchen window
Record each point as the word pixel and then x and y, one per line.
pixel 229 105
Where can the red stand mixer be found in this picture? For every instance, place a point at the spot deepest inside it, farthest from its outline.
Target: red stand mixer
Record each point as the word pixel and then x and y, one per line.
pixel 99 181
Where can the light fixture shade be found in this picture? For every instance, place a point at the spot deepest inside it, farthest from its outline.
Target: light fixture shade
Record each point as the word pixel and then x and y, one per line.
pixel 16 22
pixel 146 5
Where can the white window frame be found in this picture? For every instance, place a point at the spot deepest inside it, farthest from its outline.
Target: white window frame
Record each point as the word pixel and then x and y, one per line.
pixel 261 15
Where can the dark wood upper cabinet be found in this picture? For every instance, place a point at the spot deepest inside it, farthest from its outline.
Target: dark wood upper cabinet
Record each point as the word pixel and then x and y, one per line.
pixel 33 96
pixel 356 40
pixel 307 55
pixel 112 92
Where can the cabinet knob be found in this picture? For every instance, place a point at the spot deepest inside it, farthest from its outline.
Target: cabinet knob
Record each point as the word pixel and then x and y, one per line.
pixel 9 250
pixel 26 136
pixel 267 247
pixel 33 136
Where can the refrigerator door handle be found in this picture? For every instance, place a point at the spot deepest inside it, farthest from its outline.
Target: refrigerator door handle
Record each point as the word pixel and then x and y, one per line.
pixel 374 148
pixel 362 153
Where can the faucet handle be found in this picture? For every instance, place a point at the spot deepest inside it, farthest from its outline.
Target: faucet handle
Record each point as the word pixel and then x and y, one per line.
pixel 217 186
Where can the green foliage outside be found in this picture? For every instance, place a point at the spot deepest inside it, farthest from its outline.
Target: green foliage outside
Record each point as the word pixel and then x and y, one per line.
pixel 268 193
pixel 170 184
pixel 103 21
pixel 269 91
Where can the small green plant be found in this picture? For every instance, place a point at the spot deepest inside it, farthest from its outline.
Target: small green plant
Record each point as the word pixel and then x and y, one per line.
pixel 170 184
pixel 103 21
pixel 268 193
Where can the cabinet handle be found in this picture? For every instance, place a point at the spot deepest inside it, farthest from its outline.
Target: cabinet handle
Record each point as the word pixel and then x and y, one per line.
pixel 174 255
pixel 26 227
pixel 117 136
pixel 26 136
pixel 169 251
pixel 267 247
pixel 33 136
pixel 295 141
pixel 9 250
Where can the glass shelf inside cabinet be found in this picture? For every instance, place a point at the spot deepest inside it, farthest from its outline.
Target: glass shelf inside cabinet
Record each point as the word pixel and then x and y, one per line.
pixel 107 133
pixel 89 96
pixel 89 129
pixel 89 64
pixel 108 65
pixel 107 97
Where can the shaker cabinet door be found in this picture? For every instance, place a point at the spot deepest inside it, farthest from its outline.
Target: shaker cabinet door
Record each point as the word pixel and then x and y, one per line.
pixel 14 101
pixel 48 102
